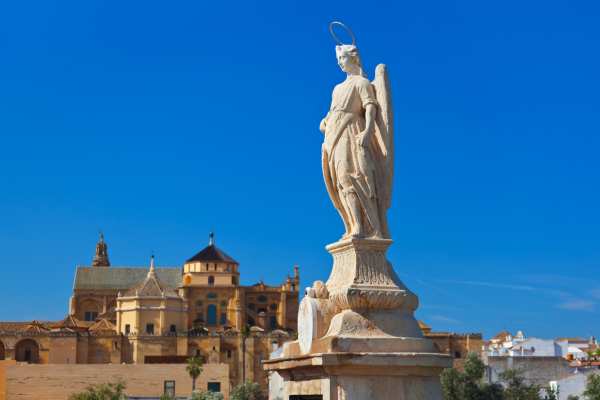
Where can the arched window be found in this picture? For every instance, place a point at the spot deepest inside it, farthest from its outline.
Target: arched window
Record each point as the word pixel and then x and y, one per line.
pixel 211 280
pixel 211 314
pixel 27 351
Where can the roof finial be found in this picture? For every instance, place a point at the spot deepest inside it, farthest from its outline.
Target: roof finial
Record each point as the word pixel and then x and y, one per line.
pixel 211 239
pixel 151 264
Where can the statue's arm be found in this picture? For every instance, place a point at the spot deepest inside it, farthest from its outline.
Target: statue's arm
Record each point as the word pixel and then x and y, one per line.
pixel 370 115
pixel 323 124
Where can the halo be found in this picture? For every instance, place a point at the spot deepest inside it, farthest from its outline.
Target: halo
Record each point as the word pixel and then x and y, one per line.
pixel 348 30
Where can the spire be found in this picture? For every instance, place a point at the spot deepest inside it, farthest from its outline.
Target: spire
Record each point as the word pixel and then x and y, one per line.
pixel 151 271
pixel 211 239
pixel 101 257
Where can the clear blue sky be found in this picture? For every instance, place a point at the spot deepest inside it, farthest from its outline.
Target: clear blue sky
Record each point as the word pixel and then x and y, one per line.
pixel 158 122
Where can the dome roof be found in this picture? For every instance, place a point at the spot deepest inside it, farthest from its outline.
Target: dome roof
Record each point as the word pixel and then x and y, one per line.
pixel 212 253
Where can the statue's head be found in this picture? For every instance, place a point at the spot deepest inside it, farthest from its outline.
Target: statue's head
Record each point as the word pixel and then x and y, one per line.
pixel 348 59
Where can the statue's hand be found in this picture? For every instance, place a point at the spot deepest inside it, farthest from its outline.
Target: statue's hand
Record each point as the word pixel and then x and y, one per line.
pixel 323 125
pixel 364 137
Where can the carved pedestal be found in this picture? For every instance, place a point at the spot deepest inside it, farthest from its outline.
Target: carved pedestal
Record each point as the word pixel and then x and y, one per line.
pixel 357 335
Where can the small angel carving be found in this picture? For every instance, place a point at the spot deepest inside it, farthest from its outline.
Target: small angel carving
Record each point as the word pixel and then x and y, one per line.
pixel 357 152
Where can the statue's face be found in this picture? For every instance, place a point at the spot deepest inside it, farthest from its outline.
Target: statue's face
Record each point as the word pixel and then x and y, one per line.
pixel 345 62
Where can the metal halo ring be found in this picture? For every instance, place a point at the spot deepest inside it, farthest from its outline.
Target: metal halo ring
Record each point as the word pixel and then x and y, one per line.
pixel 348 30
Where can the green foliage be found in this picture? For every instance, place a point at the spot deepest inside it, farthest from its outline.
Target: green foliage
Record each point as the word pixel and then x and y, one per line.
pixel 452 384
pixel 592 387
pixel 247 391
pixel 194 369
pixel 105 391
pixel 469 385
pixel 207 396
pixel 166 397
pixel 572 397
pixel 516 388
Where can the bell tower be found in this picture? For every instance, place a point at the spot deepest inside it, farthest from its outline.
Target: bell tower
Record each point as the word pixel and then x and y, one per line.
pixel 101 257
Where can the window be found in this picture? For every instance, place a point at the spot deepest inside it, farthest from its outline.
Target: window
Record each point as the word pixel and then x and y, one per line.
pixel 273 322
pixel 223 319
pixel 273 307
pixel 234 280
pixel 211 280
pixel 169 388
pixel 199 303
pixel 457 354
pixel 213 386
pixel 127 329
pixel 251 321
pixel 223 303
pixel 252 306
pixel 262 298
pixel 211 296
pixel 173 328
pixel 211 314
pixel 150 329
pixel 91 315
pixel 228 353
pixel 199 317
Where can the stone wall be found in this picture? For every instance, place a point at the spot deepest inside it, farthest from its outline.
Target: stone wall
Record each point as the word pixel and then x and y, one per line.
pixel 57 382
pixel 535 370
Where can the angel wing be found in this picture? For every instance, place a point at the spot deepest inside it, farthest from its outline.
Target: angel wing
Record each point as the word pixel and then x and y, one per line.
pixel 384 134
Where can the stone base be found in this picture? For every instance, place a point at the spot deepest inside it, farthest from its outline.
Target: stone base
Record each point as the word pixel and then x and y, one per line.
pixel 362 376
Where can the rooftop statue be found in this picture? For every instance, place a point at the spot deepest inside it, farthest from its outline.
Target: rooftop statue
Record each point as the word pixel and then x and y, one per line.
pixel 358 148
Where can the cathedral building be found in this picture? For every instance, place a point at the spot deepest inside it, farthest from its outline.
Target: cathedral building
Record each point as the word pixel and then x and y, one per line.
pixel 162 315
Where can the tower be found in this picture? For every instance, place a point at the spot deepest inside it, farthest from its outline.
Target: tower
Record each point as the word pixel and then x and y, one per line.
pixel 101 257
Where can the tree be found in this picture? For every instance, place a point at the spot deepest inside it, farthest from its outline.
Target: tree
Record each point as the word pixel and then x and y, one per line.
pixel 105 391
pixel 469 385
pixel 245 332
pixel 451 384
pixel 592 387
pixel 516 388
pixel 247 391
pixel 194 369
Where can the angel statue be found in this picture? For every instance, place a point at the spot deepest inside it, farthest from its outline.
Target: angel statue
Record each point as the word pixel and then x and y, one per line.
pixel 358 152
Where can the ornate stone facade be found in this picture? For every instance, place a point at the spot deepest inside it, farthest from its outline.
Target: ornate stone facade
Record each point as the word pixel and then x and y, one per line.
pixel 163 315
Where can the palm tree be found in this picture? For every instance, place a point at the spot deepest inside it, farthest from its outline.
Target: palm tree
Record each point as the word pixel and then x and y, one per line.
pixel 194 368
pixel 245 333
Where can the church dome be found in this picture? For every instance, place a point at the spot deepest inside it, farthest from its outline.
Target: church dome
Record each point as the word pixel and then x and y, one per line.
pixel 212 253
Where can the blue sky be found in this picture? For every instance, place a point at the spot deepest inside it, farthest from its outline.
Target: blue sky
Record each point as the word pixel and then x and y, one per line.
pixel 158 122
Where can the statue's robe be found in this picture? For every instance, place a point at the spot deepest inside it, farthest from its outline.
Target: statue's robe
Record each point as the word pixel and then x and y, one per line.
pixel 346 165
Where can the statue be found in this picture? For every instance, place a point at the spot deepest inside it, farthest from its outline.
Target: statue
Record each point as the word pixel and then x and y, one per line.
pixel 357 335
pixel 358 148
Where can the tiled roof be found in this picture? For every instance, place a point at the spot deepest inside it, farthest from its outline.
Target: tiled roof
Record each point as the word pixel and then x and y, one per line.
pixel 212 253
pixel 103 325
pixel 151 286
pixel 122 277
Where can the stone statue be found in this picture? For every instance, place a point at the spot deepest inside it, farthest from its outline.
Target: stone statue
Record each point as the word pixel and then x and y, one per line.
pixel 358 148
pixel 357 335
